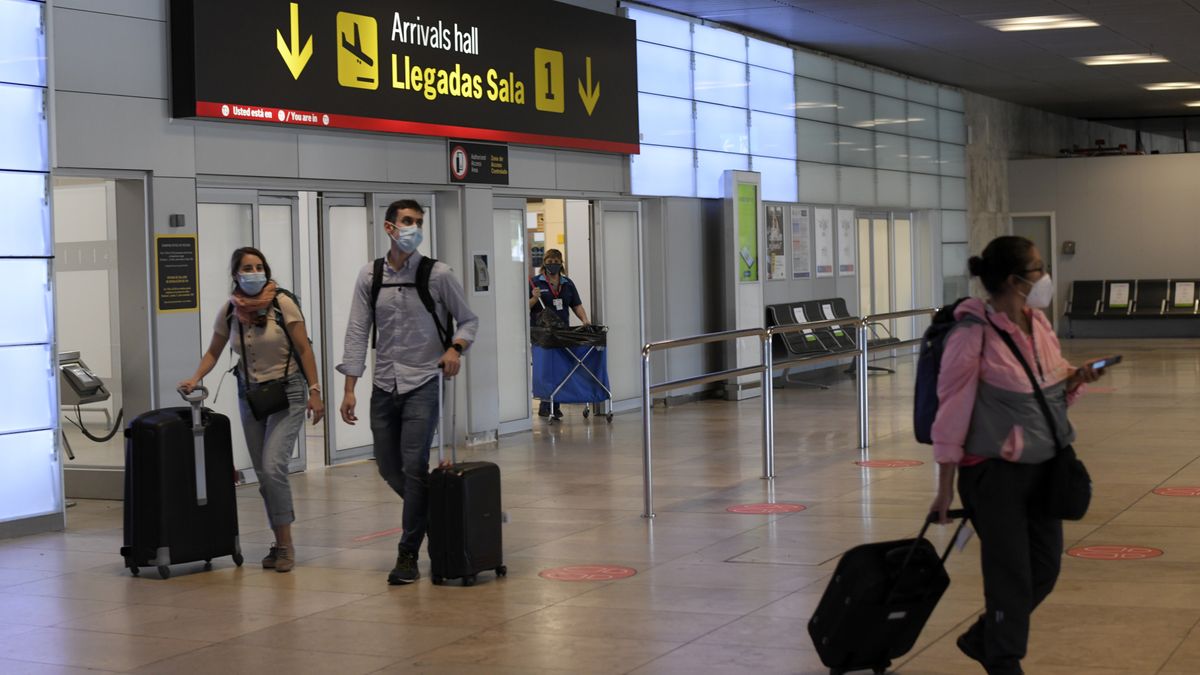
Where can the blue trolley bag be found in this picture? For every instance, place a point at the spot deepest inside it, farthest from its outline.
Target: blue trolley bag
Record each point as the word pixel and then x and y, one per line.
pixel 464 514
pixel 878 601
pixel 180 501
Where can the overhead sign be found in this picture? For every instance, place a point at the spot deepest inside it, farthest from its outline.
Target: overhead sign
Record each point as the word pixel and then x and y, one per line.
pixel 483 163
pixel 472 69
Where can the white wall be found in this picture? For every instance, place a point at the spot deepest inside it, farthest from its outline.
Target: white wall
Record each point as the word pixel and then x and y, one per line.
pixel 1132 217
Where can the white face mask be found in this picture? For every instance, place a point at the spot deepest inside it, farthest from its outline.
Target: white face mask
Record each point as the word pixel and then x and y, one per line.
pixel 1042 293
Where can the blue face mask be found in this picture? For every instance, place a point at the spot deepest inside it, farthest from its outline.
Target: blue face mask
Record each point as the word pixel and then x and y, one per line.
pixel 407 237
pixel 252 284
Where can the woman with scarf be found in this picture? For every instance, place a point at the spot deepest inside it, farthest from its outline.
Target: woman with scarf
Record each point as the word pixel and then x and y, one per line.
pixel 274 349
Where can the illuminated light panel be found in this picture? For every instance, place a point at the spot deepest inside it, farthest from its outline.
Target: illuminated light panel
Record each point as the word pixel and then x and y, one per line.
pixel 1193 104
pixel 1121 59
pixel 1171 86
pixel 1048 22
pixel 884 121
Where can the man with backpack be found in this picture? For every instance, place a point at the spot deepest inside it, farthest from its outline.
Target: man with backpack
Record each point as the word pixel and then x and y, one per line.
pixel 405 306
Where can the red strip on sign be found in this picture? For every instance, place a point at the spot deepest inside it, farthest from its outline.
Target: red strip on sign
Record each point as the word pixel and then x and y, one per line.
pixel 237 111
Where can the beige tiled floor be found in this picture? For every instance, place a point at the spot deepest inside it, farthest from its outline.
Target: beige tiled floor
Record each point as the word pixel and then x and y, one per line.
pixel 714 592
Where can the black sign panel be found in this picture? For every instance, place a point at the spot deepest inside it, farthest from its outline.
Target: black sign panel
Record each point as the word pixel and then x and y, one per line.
pixel 175 262
pixel 482 163
pixel 536 72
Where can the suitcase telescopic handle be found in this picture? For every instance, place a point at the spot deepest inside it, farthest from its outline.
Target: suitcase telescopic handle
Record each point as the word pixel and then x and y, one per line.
pixel 191 397
pixel 442 420
pixel 196 398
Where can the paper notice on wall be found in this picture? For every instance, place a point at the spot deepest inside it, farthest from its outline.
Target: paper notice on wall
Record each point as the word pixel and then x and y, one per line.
pixel 1185 293
pixel 776 261
pixel 823 227
pixel 801 251
pixel 1118 295
pixel 846 247
pixel 798 315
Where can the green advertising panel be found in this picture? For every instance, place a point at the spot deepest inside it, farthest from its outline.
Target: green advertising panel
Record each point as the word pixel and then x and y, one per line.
pixel 747 210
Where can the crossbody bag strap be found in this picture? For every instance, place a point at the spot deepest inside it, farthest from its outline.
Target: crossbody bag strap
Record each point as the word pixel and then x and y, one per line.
pixel 1037 390
pixel 245 357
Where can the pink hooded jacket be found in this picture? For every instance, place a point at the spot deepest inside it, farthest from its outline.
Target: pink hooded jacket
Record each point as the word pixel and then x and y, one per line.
pixel 986 405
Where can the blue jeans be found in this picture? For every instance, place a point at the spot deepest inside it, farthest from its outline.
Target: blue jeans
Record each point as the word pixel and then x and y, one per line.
pixel 270 442
pixel 402 426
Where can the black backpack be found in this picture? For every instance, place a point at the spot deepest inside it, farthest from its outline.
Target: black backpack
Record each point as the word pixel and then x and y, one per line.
pixel 424 271
pixel 929 365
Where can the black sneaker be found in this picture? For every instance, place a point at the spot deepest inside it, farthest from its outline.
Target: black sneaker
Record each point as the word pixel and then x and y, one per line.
pixel 557 413
pixel 970 647
pixel 543 409
pixel 405 571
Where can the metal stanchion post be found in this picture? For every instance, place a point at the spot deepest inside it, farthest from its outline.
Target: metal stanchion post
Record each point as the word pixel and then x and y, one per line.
pixel 647 471
pixel 768 397
pixel 863 407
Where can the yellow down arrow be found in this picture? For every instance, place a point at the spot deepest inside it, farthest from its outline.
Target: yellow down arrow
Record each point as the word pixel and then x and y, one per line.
pixel 589 95
pixel 293 56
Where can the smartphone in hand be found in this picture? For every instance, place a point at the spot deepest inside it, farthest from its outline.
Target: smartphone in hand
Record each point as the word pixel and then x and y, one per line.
pixel 1105 362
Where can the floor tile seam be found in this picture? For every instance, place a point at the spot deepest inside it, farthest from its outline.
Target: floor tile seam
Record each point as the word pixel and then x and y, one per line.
pixel 201 645
pixel 1128 508
pixel 473 634
pixel 1179 646
pixel 963 625
pixel 62 625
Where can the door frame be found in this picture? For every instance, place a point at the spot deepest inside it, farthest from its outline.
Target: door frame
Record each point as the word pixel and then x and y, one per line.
pixel 599 287
pixel 1059 303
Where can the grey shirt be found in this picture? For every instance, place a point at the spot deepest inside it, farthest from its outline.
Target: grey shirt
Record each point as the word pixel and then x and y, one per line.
pixel 408 347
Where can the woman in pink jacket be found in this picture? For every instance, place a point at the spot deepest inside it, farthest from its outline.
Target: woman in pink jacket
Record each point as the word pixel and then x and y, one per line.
pixel 990 429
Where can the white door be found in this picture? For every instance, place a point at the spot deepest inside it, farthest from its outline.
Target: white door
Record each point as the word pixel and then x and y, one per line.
pixel 616 241
pixel 1039 228
pixel 511 283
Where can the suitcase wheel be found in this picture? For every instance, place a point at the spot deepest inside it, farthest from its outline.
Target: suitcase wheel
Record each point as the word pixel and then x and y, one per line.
pixel 438 581
pixel 609 417
pixel 502 571
pixel 164 571
pixel 207 565
pixel 238 559
pixel 586 412
pixel 134 570
pixel 469 580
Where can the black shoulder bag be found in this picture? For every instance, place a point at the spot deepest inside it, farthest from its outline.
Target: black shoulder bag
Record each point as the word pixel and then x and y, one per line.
pixel 266 398
pixel 1068 487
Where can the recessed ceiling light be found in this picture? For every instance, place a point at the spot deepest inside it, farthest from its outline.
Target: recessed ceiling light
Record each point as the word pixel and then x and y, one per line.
pixel 1121 59
pixel 1051 22
pixel 1193 104
pixel 1171 86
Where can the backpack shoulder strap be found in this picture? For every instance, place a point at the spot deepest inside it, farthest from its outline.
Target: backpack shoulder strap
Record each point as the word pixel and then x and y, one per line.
pixel 376 286
pixel 424 272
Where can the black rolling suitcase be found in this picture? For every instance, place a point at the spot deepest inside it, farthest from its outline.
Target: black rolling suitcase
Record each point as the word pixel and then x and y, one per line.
pixel 464 516
pixel 878 601
pixel 179 493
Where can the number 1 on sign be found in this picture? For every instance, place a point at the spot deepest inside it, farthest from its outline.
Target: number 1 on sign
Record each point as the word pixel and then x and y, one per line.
pixel 547 80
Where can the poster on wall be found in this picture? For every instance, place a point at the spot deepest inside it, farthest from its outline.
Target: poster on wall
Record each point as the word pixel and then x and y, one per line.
pixel 801 253
pixel 483 276
pixel 747 253
pixel 776 259
pixel 824 231
pixel 175 271
pixel 846 248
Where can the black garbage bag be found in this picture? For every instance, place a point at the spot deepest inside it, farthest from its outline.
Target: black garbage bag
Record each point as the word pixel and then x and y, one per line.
pixel 568 336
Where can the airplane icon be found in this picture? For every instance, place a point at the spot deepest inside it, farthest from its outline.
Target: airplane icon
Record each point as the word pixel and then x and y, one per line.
pixel 358 52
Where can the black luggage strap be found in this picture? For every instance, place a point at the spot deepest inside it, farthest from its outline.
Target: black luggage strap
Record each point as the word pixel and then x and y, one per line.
pixel 424 272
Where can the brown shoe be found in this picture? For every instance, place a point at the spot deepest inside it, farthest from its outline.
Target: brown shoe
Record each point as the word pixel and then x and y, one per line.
pixel 285 558
pixel 268 562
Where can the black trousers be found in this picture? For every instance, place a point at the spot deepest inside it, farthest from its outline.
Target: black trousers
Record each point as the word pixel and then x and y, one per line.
pixel 1021 555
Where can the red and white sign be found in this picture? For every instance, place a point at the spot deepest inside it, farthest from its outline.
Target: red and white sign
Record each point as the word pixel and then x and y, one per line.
pixel 458 162
pixel 1184 491
pixel 767 509
pixel 1114 552
pixel 888 463
pixel 588 573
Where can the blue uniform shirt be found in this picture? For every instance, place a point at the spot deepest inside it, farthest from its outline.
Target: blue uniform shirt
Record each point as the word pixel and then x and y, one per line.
pixel 561 303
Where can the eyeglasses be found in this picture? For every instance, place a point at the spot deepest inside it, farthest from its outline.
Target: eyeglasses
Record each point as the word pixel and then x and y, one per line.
pixel 1039 268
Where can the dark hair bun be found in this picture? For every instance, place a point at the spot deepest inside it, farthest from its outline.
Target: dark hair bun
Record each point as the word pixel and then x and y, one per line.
pixel 976 266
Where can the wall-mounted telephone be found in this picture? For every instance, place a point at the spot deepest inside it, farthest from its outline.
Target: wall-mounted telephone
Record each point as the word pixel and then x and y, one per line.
pixel 81 380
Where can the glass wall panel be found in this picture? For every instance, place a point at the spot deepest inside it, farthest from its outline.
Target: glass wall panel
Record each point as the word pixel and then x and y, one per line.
pixel 818 182
pixel 28 397
pixel 924 191
pixel 922 92
pixel 29 476
pixel 816 141
pixel 953 160
pixel 922 156
pixel 856 186
pixel 22 43
pixel 853 76
pixel 772 135
pixel 903 288
pixel 954 226
pixel 854 107
pixel 26 296
pixel 892 188
pixel 722 128
pixel 25 207
pixel 666 121
pixel 891 152
pixel 922 121
pixel 952 127
pixel 710 173
pixel 719 42
pixel 721 81
pixel 778 178
pixel 856 147
pixel 26 144
pixel 814 66
pixel 664 70
pixel 772 92
pixel 816 100
pixel 951 99
pixel 890 85
pixel 663 171
pixel 954 193
pixel 771 55
pixel 665 30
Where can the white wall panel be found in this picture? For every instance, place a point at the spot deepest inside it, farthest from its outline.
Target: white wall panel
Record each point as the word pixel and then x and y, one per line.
pixel 243 150
pixel 126 63
pixel 121 132
pixel 342 157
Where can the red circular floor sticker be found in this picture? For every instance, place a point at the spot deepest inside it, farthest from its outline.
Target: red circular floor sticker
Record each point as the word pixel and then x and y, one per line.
pixel 1114 552
pixel 889 463
pixel 1178 491
pixel 588 573
pixel 766 508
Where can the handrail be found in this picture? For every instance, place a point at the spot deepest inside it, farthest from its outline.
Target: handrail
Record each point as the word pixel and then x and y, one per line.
pixel 766 369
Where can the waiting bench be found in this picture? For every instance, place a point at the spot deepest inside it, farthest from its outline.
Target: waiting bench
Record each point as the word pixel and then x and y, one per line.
pixel 1125 299
pixel 810 343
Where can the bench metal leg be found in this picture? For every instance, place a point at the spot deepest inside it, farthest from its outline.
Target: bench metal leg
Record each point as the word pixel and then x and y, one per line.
pixel 788 380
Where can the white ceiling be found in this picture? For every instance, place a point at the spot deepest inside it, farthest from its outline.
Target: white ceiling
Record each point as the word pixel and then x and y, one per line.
pixel 942 40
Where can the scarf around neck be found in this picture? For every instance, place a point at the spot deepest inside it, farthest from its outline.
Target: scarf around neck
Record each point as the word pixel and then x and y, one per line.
pixel 248 307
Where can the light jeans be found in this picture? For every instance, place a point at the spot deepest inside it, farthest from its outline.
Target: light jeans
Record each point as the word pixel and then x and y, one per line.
pixel 271 442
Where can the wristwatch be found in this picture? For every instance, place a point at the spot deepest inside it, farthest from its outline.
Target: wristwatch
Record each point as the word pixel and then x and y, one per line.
pixel 457 347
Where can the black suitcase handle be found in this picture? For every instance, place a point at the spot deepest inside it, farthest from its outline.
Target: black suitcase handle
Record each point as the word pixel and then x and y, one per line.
pixel 931 518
